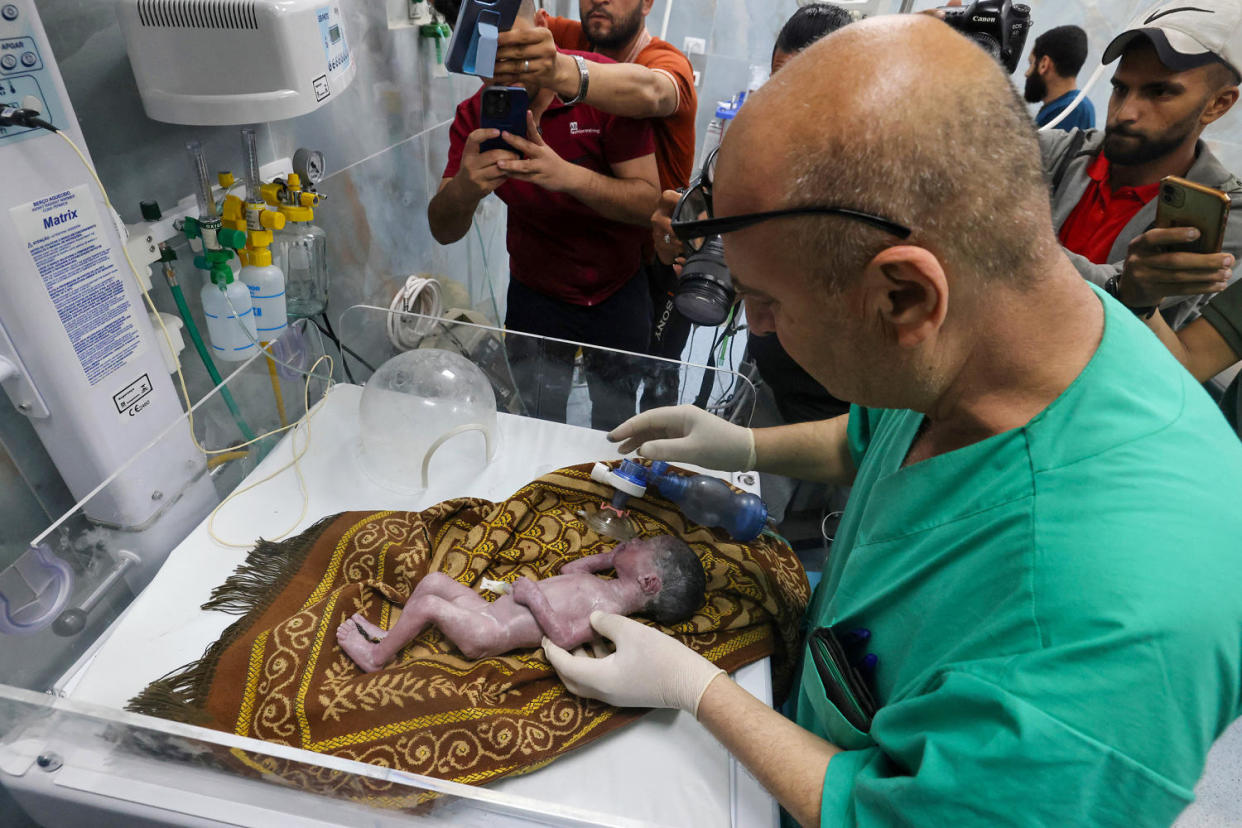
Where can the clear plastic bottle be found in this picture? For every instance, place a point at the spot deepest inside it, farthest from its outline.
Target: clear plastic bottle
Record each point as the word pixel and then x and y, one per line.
pixel 265 280
pixel 301 252
pixel 224 327
pixel 716 130
pixel 267 296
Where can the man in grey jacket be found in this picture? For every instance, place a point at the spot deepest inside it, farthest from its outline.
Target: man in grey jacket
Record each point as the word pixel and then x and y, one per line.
pixel 1178 73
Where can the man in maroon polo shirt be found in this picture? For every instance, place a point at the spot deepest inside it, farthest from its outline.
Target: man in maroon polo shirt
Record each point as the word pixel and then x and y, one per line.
pixel 580 202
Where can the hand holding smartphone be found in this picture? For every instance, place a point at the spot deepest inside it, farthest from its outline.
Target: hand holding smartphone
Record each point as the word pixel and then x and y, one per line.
pixel 504 108
pixel 1184 203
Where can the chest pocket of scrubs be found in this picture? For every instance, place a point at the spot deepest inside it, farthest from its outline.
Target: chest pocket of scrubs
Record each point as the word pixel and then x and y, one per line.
pixel 846 705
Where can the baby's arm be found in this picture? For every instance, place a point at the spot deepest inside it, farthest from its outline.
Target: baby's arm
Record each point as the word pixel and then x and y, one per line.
pixel 556 625
pixel 591 563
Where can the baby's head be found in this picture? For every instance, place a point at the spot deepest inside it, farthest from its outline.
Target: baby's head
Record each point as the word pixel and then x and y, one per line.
pixel 683 584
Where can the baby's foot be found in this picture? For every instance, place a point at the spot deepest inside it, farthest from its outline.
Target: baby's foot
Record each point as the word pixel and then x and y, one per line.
pixel 374 633
pixel 356 646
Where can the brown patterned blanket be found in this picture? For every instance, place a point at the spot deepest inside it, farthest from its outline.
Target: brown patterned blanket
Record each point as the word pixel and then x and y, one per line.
pixel 277 674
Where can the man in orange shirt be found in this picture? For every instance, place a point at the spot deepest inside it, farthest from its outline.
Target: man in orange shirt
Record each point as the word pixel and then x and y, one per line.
pixel 651 79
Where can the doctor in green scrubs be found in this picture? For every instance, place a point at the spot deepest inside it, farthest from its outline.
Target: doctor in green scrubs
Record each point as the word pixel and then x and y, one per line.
pixel 1032 612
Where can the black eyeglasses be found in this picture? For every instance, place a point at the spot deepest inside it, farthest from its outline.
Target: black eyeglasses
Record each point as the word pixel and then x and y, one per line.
pixel 694 223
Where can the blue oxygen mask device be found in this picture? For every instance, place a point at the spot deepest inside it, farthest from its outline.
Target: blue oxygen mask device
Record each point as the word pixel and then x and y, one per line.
pixel 706 500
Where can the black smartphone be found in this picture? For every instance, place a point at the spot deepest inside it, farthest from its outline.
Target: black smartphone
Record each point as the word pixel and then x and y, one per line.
pixel 504 108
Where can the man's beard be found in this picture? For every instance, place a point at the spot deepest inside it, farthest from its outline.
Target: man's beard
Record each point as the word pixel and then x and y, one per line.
pixel 1148 148
pixel 1035 90
pixel 623 30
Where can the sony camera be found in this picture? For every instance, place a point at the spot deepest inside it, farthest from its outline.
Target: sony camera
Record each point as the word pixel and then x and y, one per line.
pixel 999 26
pixel 705 292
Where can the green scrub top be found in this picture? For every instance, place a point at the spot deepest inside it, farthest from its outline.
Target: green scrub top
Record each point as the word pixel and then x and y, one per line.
pixel 1056 610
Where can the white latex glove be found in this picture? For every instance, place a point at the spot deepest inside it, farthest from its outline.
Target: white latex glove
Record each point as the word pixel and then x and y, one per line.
pixel 685 434
pixel 648 669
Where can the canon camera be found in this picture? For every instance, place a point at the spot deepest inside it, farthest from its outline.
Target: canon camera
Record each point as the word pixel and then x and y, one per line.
pixel 999 26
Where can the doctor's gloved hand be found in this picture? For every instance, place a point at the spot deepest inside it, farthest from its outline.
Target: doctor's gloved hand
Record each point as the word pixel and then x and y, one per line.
pixel 685 434
pixel 648 669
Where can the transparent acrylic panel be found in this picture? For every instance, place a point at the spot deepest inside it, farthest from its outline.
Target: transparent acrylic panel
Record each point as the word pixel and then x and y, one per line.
pixel 109 609
pixel 79 574
pixel 551 379
pixel 133 766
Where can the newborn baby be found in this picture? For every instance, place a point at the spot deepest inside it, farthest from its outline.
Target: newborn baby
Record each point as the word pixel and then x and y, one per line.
pixel 659 577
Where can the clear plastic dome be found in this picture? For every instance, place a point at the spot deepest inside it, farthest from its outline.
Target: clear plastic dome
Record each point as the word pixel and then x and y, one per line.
pixel 413 405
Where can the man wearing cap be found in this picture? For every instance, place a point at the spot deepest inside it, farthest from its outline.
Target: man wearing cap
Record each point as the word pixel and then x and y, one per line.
pixel 1178 73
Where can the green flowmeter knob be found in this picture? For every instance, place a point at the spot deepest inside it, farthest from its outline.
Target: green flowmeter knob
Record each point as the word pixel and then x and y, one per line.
pixel 221 274
pixel 228 237
pixel 192 228
pixel 216 262
pixel 150 210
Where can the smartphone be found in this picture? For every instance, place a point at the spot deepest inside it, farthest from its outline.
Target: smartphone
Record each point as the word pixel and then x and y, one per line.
pixel 1187 204
pixel 504 108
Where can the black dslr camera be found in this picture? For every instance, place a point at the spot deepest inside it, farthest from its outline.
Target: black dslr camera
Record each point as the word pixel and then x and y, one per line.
pixel 999 26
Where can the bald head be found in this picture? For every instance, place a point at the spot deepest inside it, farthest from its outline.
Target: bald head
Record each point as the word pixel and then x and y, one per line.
pixel 901 116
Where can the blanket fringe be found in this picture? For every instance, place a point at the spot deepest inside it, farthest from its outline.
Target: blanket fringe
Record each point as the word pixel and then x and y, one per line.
pixel 182 694
pixel 268 568
pixel 179 695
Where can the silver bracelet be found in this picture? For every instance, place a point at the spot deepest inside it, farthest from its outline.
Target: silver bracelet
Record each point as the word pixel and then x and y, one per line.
pixel 584 80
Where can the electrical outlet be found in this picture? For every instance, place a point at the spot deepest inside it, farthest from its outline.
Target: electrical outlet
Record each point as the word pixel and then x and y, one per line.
pixel 407 14
pixel 694 46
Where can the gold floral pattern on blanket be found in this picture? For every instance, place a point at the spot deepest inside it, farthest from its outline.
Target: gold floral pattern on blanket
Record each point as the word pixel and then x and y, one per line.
pixel 278 675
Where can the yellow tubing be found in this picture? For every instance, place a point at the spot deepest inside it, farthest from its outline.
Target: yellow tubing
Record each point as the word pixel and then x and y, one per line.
pixel 220 459
pixel 280 398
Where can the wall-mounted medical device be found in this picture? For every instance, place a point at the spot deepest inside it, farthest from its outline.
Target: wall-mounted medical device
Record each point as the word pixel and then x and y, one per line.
pixel 220 62
pixel 479 22
pixel 78 354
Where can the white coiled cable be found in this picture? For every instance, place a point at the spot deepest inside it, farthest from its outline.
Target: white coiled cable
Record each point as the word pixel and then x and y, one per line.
pixel 1082 93
pixel 421 295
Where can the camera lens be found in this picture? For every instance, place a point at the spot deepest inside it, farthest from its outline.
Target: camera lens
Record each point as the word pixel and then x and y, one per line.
pixel 495 106
pixel 1172 196
pixel 705 291
pixel 989 43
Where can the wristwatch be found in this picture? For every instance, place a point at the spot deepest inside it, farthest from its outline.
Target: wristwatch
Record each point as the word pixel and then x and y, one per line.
pixel 584 80
pixel 1113 288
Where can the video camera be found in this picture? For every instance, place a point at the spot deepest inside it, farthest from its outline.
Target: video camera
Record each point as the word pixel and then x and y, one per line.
pixel 999 26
